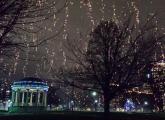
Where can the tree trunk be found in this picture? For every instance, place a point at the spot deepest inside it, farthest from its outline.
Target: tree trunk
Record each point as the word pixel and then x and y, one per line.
pixel 106 106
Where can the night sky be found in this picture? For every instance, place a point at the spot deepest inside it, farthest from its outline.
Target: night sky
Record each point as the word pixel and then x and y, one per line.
pixel 79 17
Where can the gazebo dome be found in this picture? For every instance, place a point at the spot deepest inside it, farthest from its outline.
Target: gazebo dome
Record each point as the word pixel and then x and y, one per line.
pixel 30 83
pixel 31 79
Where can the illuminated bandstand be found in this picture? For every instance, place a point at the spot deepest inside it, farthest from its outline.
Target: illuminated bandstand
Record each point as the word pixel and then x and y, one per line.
pixel 29 94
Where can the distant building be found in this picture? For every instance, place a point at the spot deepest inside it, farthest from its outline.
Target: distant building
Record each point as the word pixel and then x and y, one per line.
pixel 158 76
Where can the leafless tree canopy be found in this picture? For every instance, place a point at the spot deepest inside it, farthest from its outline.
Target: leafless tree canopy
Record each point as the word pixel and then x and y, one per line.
pixel 118 56
pixel 16 16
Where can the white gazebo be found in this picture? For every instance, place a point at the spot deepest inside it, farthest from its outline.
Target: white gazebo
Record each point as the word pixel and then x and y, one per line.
pixel 29 94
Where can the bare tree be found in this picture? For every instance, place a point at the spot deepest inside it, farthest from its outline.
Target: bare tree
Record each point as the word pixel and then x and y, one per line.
pixel 117 57
pixel 16 16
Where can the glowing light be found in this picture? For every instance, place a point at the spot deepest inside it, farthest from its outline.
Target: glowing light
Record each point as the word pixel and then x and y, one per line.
pixel 145 103
pixel 96 101
pixel 94 93
pixel 129 105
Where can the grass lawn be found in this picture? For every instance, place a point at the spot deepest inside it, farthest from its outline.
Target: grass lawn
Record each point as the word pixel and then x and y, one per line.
pixel 80 116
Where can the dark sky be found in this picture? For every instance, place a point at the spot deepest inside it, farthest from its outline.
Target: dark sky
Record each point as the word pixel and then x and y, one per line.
pixel 83 15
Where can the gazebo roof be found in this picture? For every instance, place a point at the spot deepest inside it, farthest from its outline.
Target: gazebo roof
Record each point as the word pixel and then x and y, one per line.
pixel 32 79
pixel 30 83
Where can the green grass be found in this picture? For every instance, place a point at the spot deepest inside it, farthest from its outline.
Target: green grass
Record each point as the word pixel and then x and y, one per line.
pixel 80 116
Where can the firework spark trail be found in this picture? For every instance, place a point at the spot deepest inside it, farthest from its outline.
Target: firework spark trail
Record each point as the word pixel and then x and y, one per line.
pixel 65 32
pixel 88 4
pixel 16 61
pixel 102 9
pixel 49 51
pixel 114 17
pixel 136 10
pixel 26 57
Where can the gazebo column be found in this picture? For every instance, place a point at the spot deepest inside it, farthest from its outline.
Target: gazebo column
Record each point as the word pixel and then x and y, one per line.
pixel 23 96
pixel 12 98
pixel 45 99
pixel 27 97
pixel 16 98
pixel 38 98
pixel 31 98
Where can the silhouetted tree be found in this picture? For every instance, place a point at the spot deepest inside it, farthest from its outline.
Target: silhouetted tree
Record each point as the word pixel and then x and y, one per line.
pixel 118 56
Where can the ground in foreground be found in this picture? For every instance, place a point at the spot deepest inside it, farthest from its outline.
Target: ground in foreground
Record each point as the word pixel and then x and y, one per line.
pixel 81 116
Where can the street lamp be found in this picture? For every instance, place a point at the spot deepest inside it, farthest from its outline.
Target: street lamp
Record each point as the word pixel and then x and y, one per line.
pixel 94 93
pixel 145 103
pixel 148 76
pixel 95 104
pixel 96 101
pixel 72 105
pixel 146 106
